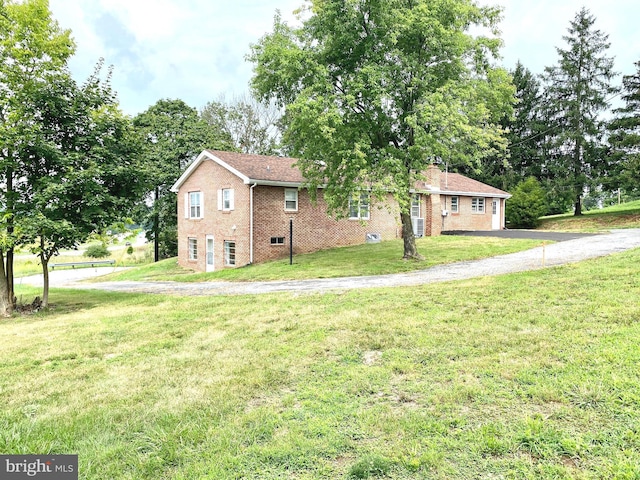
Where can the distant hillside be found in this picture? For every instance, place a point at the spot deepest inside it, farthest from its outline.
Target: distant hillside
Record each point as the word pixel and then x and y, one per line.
pixel 626 215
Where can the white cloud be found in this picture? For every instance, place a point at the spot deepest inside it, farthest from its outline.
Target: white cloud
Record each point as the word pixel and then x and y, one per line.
pixel 195 49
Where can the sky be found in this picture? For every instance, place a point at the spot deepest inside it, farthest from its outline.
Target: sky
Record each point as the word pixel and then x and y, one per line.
pixel 195 50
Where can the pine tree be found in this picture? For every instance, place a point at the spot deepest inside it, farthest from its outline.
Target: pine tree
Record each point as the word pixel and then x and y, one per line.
pixel 579 90
pixel 625 137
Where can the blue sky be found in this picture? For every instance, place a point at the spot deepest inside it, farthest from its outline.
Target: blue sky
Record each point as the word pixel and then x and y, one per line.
pixel 195 49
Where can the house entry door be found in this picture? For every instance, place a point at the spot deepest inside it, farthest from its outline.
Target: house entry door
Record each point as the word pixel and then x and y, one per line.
pixel 495 214
pixel 210 265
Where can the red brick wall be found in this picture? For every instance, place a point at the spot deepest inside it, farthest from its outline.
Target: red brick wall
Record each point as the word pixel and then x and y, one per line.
pixel 465 219
pixel 209 178
pixel 312 228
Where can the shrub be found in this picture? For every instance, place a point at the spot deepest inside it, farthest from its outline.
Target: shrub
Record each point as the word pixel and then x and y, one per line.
pixel 527 204
pixel 97 250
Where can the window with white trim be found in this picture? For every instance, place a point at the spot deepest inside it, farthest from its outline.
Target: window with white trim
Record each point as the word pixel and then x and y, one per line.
pixel 415 205
pixel 225 199
pixel 291 199
pixel 195 204
pixel 454 204
pixel 277 240
pixel 477 205
pixel 229 253
pixel 193 248
pixel 359 207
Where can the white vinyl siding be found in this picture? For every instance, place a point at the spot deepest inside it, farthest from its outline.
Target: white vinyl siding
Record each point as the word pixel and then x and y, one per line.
pixel 225 199
pixel 359 207
pixel 291 199
pixel 477 205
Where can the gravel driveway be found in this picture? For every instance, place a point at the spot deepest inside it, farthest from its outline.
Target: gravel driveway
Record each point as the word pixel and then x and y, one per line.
pixel 560 253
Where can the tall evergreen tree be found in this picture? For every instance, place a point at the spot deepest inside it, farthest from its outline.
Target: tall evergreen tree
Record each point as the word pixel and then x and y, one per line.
pixel 524 130
pixel 579 90
pixel 625 137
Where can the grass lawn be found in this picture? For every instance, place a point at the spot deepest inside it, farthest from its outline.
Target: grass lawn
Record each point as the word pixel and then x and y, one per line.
pixel 367 259
pixel 26 264
pixel 530 375
pixel 626 215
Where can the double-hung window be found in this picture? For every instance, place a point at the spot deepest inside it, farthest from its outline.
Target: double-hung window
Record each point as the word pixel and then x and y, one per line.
pixel 225 199
pixel 195 204
pixel 415 206
pixel 455 205
pixel 291 199
pixel 477 205
pixel 359 207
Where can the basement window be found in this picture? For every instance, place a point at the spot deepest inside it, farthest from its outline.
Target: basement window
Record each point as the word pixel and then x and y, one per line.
pixel 229 253
pixel 277 240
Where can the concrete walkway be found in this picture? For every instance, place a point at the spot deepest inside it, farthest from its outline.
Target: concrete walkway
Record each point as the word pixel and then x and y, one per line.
pixel 561 253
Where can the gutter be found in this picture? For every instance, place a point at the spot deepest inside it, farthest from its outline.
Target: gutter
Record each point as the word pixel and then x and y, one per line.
pixel 251 222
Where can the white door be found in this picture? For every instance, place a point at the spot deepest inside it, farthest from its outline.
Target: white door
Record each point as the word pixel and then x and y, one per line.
pixel 210 266
pixel 495 214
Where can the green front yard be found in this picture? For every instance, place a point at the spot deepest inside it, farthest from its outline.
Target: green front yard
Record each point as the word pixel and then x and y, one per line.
pixel 531 375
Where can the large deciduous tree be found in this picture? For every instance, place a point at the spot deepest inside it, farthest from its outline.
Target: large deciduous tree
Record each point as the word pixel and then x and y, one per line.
pixel 173 134
pixel 33 50
pixel 82 172
pixel 625 137
pixel 376 90
pixel 251 125
pixel 578 92
pixel 66 152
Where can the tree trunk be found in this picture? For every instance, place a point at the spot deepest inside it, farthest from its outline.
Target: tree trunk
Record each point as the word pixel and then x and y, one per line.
pixel 6 302
pixel 578 206
pixel 9 276
pixel 45 280
pixel 410 249
pixel 156 228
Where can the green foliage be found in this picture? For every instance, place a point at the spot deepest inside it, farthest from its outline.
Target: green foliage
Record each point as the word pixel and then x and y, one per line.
pixel 252 126
pixel 376 91
pixel 172 135
pixel 527 204
pixel 624 139
pixel 579 90
pixel 69 154
pixel 97 250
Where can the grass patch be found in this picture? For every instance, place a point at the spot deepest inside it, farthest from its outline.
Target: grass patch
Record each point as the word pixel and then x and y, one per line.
pixel 25 264
pixel 529 375
pixel 626 215
pixel 359 260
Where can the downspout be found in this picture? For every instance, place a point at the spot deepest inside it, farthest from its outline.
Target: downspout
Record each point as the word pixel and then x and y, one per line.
pixel 251 223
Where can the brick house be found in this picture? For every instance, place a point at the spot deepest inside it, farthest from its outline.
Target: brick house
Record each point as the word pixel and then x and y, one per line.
pixel 235 209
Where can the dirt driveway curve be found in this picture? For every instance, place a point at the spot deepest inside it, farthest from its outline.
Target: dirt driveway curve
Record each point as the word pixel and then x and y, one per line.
pixel 560 253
